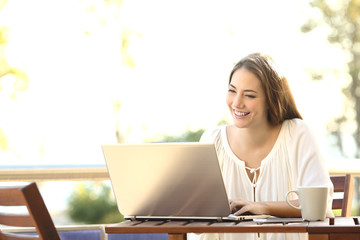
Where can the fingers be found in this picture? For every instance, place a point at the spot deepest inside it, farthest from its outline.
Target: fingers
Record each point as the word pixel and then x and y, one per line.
pixel 239 207
pixel 245 210
pixel 237 203
pixel 243 207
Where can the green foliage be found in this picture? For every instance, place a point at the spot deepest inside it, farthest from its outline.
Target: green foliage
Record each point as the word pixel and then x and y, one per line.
pixel 223 121
pixel 92 203
pixel 3 141
pixel 337 212
pixel 187 136
pixel 21 79
pixel 342 20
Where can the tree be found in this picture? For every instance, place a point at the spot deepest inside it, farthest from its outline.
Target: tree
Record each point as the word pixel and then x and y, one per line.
pixel 187 136
pixel 342 18
pixel 93 204
pixel 7 73
pixel 21 79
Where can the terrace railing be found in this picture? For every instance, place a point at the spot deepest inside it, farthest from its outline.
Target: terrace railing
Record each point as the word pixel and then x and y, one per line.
pixel 99 172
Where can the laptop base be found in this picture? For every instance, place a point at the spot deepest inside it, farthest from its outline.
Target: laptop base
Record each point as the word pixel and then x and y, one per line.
pixel 230 218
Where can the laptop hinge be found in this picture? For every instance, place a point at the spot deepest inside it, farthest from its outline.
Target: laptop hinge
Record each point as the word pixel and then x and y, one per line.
pixel 219 219
pixel 133 218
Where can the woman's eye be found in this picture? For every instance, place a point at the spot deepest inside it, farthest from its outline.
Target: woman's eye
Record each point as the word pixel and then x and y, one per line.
pixel 231 90
pixel 250 96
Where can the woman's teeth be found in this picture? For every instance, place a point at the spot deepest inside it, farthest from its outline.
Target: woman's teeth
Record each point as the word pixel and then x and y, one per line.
pixel 240 114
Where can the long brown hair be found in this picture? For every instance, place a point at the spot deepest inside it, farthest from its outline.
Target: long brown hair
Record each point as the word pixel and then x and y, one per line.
pixel 279 98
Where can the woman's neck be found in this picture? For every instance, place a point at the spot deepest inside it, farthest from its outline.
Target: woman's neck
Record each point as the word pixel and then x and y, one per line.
pixel 251 138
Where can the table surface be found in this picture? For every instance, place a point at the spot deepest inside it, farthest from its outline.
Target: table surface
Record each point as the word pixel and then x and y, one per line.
pixel 337 225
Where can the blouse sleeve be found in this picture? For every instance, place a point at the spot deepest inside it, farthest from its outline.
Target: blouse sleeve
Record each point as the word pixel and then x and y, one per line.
pixel 310 166
pixel 210 135
pixel 213 135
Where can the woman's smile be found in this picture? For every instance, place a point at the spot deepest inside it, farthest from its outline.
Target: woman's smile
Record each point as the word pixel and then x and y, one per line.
pixel 246 99
pixel 239 114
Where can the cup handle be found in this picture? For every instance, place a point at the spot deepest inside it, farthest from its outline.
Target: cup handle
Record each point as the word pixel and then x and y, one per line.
pixel 287 200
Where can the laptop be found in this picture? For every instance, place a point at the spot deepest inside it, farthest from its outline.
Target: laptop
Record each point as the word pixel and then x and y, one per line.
pixel 169 181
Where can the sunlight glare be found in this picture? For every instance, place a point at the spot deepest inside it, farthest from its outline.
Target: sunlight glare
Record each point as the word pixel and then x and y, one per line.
pixel 182 51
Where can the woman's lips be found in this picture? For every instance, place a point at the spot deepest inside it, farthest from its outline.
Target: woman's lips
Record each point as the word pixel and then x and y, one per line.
pixel 239 114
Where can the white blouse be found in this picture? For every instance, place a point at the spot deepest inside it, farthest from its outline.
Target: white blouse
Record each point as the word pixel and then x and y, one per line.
pixel 295 160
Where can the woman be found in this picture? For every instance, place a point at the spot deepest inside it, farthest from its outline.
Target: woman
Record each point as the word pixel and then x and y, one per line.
pixel 268 150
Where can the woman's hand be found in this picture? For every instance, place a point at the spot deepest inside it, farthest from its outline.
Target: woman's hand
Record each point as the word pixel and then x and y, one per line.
pixel 279 209
pixel 240 207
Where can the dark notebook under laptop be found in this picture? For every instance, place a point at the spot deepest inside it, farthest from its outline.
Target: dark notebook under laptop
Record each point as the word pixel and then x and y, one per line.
pixel 161 181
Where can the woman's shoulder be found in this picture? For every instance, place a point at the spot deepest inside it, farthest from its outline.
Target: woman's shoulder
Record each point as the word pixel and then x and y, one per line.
pixel 295 124
pixel 296 127
pixel 211 134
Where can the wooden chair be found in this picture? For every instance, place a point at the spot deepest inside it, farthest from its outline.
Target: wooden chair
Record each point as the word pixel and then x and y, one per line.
pixel 37 215
pixel 343 184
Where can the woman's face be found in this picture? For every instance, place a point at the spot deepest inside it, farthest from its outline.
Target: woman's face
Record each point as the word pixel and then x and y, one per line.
pixel 246 100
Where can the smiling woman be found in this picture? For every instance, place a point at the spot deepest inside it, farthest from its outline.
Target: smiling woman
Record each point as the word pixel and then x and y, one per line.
pixel 268 150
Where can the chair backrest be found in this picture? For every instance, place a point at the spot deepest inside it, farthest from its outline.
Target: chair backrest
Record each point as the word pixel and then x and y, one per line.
pixel 37 214
pixel 343 184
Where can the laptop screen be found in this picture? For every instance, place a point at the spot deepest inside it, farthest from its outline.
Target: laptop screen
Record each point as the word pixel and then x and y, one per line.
pixel 167 179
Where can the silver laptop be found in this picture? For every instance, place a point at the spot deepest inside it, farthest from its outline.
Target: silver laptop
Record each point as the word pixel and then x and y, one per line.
pixel 163 181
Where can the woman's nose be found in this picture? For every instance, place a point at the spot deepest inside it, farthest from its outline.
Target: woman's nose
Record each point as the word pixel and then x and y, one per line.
pixel 238 102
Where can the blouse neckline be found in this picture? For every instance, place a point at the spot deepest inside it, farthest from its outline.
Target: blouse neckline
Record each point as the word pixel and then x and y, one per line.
pixel 263 161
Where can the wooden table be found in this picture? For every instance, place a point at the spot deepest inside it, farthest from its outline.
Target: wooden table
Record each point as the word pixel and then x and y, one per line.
pixel 334 229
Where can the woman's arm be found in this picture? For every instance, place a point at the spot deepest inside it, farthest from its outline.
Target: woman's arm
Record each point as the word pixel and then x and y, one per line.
pixel 278 209
pixel 310 167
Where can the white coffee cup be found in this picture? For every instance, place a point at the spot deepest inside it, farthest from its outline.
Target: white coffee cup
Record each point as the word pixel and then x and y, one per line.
pixel 313 202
